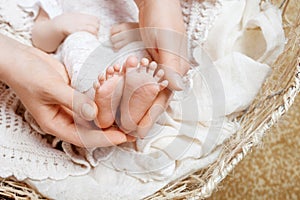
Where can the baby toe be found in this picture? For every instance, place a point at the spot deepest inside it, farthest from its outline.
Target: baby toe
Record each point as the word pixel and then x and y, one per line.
pixel 158 76
pixel 131 62
pixel 101 78
pixel 163 84
pixel 152 67
pixel 117 68
pixel 145 61
pixel 110 72
pixel 96 85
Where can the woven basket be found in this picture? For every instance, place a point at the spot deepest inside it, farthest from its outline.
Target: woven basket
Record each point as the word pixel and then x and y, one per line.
pixel 273 100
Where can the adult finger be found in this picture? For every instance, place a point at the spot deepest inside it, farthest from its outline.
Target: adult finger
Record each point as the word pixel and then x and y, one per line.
pixel 175 67
pixel 154 54
pixel 75 101
pixel 159 106
pixel 101 138
pixel 62 126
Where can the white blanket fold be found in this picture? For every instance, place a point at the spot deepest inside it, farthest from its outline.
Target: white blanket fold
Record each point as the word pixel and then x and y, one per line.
pixel 233 64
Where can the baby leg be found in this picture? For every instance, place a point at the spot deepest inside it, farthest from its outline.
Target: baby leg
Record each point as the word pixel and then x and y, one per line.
pixel 74 53
pixel 140 90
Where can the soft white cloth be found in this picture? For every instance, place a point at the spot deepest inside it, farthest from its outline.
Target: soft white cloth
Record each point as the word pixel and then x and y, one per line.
pixel 77 47
pixel 187 136
pixel 52 8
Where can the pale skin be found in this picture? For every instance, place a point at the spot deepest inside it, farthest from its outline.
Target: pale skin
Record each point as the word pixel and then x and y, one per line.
pixel 132 88
pixel 162 24
pixel 161 101
pixel 31 73
pixel 163 14
pixel 48 34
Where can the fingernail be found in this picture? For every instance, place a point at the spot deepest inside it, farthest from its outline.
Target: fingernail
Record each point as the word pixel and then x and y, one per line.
pixel 178 81
pixel 88 111
pixel 142 131
pixel 174 78
pixel 130 138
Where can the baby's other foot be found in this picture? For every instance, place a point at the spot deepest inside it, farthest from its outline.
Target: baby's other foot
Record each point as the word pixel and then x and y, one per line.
pixel 108 93
pixel 140 90
pixel 124 33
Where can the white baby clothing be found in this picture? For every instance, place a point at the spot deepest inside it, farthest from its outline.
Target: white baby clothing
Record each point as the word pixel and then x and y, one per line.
pixel 187 136
pixel 75 50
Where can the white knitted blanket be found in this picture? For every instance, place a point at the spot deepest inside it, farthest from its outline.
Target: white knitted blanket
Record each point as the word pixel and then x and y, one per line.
pixel 62 171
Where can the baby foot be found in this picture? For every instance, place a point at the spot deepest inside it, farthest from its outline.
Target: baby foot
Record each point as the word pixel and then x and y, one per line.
pixel 140 90
pixel 123 34
pixel 108 93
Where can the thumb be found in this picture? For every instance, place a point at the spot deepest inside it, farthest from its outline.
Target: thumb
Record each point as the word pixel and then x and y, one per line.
pixel 79 103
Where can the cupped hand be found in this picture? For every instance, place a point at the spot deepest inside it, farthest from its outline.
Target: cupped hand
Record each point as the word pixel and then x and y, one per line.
pixel 163 31
pixel 42 86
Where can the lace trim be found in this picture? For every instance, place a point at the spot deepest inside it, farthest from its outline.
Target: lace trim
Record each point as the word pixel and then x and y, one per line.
pixel 23 149
pixel 14 22
pixel 199 17
pixel 22 146
pixel 52 7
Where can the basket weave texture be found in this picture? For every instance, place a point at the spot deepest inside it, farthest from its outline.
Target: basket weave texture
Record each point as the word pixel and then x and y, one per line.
pixel 273 101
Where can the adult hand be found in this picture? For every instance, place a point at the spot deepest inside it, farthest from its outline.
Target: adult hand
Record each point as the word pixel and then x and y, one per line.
pixel 163 31
pixel 164 34
pixel 42 86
